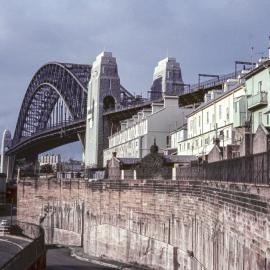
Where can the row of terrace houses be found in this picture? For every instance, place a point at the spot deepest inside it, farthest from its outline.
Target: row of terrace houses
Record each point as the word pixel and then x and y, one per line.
pixel 138 133
pixel 217 117
pixel 228 117
pixel 223 126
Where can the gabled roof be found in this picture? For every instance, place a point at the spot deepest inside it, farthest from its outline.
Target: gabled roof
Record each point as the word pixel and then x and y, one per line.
pixel 256 70
pixel 129 161
pixel 179 158
pixel 265 129
pixel 183 127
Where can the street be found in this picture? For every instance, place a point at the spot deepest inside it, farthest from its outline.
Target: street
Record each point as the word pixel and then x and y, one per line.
pixel 60 259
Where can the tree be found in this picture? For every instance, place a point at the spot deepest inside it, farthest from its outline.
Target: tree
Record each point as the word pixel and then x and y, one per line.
pixel 46 168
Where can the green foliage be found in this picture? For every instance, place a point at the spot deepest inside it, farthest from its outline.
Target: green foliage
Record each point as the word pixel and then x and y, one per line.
pixel 46 168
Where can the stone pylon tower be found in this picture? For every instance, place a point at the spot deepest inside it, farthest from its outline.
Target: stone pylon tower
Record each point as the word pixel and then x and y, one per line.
pixel 6 143
pixel 103 94
pixel 167 79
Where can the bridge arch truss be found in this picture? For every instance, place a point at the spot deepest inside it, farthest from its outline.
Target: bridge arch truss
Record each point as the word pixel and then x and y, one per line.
pixel 52 82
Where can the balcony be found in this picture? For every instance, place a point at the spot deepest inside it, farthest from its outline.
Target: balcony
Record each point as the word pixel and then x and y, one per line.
pixel 257 101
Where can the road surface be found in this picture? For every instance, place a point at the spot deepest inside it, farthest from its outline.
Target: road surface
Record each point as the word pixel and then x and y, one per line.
pixel 60 259
pixel 9 246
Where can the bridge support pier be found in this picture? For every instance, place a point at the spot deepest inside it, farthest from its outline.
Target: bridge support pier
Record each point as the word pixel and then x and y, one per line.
pixel 103 94
pixel 81 137
pixel 10 168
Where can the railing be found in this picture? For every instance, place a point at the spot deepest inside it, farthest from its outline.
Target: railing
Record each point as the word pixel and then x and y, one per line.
pixel 62 126
pixel 212 82
pixel 253 169
pixel 32 252
pixel 249 169
pixel 258 100
pixel 133 105
pixel 239 119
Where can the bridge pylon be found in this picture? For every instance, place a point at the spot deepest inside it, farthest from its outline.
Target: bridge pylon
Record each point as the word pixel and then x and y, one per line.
pixel 104 93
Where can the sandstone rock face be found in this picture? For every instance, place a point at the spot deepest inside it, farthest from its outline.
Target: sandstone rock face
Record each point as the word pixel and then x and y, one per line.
pixel 177 225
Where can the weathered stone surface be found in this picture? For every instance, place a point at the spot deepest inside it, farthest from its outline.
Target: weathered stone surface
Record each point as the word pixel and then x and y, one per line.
pixel 160 224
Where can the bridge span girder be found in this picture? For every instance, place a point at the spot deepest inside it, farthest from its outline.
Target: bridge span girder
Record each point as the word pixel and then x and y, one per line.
pixel 48 139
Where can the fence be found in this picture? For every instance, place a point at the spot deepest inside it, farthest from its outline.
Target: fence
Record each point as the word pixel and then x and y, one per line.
pixel 249 169
pixel 253 169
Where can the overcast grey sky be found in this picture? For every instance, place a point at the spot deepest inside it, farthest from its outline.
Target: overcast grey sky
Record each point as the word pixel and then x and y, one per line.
pixel 204 35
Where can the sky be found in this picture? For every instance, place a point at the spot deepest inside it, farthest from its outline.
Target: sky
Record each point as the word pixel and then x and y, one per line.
pixel 205 36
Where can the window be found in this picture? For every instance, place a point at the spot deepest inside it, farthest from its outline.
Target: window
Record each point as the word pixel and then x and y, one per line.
pixel 267 119
pixel 219 111
pixel 168 141
pixel 227 134
pixel 235 107
pixel 260 117
pixel 199 121
pixel 259 86
pixel 207 117
pixel 227 114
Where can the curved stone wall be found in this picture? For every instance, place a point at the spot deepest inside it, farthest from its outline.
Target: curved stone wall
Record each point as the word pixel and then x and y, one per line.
pixel 33 255
pixel 189 225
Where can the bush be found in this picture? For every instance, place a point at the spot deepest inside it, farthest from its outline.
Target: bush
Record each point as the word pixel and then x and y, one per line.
pixel 46 168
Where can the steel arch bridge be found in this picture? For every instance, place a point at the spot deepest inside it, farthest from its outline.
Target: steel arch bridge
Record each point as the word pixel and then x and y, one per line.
pixel 55 101
pixel 53 111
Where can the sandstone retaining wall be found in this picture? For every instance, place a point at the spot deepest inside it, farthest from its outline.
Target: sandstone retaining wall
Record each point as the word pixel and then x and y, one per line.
pixel 189 225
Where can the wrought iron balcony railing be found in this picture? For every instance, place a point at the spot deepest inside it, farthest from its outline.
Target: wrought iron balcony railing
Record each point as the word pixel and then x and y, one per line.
pixel 257 101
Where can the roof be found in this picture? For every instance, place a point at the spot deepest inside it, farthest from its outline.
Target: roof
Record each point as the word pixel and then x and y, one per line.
pixel 265 129
pixel 179 158
pixel 170 151
pixel 268 129
pixel 261 66
pixel 218 147
pixel 129 161
pixel 182 127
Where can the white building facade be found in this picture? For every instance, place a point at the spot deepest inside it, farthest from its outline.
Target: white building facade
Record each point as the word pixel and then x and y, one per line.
pixel 258 101
pixel 217 118
pixel 138 133
pixel 52 159
pixel 178 135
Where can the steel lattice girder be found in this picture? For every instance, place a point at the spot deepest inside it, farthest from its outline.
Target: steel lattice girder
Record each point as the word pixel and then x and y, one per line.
pixel 53 80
